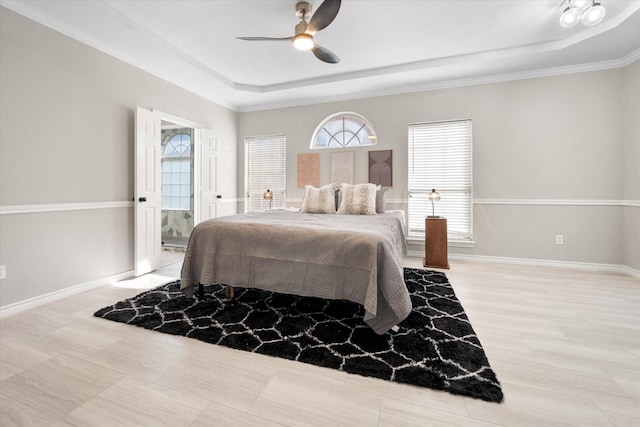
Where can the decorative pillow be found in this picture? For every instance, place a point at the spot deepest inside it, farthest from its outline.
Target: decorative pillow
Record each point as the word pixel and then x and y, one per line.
pixel 380 199
pixel 359 199
pixel 319 200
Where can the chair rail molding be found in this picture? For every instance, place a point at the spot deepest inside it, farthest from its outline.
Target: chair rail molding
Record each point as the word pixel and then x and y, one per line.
pixel 61 207
pixel 557 202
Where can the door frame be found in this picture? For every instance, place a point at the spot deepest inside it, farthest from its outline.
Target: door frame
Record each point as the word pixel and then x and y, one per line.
pixel 144 262
pixel 197 171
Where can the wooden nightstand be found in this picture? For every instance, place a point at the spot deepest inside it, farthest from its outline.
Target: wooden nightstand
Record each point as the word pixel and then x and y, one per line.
pixel 436 251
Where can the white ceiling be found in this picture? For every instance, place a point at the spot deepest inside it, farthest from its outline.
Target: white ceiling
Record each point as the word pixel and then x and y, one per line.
pixel 385 47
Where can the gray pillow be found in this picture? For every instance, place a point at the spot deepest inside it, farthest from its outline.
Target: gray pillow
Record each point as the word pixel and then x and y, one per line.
pixel 380 200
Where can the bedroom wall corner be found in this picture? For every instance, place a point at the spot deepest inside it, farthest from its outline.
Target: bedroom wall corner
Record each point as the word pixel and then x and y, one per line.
pixel 631 160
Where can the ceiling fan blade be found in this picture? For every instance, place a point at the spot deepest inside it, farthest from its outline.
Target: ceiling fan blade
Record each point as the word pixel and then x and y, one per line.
pixel 324 54
pixel 324 16
pixel 253 39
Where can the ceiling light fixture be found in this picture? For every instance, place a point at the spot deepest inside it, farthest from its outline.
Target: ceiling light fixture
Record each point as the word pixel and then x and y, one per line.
pixel 587 11
pixel 303 42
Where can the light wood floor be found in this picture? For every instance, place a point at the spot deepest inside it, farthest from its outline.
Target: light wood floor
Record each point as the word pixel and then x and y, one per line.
pixel 565 345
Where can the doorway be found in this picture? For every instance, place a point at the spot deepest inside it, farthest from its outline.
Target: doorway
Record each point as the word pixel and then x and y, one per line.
pixel 178 205
pixel 195 193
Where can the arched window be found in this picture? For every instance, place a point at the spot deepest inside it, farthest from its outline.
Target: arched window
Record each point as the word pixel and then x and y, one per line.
pixel 176 173
pixel 343 130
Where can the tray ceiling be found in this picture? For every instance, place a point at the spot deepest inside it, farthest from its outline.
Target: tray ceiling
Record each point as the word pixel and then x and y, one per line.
pixel 385 46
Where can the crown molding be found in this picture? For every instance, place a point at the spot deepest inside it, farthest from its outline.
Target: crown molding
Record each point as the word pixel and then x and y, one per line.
pixel 229 85
pixel 453 84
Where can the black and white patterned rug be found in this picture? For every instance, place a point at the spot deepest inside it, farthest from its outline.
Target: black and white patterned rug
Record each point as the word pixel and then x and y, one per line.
pixel 435 346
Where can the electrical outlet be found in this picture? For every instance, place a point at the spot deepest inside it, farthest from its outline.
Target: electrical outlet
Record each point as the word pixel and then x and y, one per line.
pixel 3 272
pixel 559 239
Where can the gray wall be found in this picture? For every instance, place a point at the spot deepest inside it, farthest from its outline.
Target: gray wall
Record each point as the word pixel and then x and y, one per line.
pixel 550 156
pixel 631 215
pixel 66 136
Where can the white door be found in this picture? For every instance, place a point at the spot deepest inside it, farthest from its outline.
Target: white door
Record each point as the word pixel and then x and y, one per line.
pixel 147 191
pixel 210 197
pixel 227 181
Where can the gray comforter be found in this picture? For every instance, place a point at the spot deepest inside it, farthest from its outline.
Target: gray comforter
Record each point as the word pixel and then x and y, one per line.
pixel 352 257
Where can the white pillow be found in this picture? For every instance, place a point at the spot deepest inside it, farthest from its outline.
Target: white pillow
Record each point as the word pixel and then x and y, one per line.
pixel 359 199
pixel 319 200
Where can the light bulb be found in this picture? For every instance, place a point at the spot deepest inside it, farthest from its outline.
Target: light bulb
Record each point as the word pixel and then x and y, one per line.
pixel 594 15
pixel 569 18
pixel 303 42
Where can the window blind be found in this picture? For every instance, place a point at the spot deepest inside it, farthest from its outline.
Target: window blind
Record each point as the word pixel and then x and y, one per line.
pixel 440 158
pixel 266 169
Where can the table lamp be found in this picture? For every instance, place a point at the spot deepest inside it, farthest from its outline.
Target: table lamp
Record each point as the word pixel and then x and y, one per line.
pixel 434 196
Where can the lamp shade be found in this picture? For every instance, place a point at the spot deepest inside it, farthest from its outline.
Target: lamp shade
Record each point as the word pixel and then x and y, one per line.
pixel 268 195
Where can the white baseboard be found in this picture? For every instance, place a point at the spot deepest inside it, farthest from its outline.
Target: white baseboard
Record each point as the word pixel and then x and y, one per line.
pixel 631 271
pixel 610 268
pixel 15 308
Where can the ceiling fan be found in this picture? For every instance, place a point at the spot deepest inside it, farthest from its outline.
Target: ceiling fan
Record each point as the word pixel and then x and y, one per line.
pixel 304 32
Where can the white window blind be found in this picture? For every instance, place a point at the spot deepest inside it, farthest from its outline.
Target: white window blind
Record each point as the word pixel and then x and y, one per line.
pixel 440 158
pixel 265 169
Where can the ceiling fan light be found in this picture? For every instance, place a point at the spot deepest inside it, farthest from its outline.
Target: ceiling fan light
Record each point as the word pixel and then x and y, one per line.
pixel 303 42
pixel 569 18
pixel 594 15
pixel 580 5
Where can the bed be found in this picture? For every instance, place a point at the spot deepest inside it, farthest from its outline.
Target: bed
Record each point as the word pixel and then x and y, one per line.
pixel 351 257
